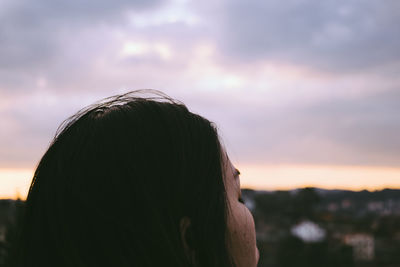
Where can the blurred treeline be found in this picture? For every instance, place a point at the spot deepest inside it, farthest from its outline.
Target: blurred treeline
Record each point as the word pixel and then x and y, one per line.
pixel 302 227
pixel 11 212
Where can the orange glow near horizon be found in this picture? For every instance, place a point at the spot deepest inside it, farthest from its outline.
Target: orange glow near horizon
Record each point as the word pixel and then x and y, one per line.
pixel 284 177
pixel 15 183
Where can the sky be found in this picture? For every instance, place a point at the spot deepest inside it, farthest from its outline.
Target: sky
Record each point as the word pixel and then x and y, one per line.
pixel 304 93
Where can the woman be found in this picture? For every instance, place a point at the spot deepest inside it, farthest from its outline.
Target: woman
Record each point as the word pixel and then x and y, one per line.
pixel 136 181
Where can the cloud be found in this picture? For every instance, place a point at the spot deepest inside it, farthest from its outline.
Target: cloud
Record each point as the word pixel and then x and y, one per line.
pixel 334 36
pixel 55 36
pixel 361 130
pixel 287 82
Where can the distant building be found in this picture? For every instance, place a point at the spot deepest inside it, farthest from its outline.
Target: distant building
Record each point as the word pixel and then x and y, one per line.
pixel 363 246
pixel 375 206
pixel 308 232
pixel 249 202
pixel 332 206
pixel 346 204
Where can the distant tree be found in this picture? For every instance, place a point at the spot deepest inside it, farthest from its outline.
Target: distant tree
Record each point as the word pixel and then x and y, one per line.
pixel 12 230
pixel 305 203
pixel 387 226
pixel 274 207
pixel 294 252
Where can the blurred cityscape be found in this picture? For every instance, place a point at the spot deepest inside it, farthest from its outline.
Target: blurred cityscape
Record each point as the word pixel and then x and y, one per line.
pixel 316 227
pixel 302 227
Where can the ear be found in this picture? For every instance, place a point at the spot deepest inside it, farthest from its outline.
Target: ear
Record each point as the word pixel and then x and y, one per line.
pixel 186 237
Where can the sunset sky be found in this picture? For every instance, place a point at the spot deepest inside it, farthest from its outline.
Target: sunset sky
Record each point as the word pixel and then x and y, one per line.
pixel 305 93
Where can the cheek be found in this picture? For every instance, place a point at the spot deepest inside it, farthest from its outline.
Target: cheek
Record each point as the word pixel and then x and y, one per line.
pixel 243 238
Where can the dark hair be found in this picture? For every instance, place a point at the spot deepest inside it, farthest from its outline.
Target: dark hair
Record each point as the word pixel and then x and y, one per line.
pixel 115 183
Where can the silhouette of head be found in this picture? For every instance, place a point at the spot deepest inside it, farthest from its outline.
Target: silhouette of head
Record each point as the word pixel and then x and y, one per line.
pixel 128 181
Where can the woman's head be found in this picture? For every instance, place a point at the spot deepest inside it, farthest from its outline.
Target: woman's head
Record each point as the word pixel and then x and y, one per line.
pixel 130 181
